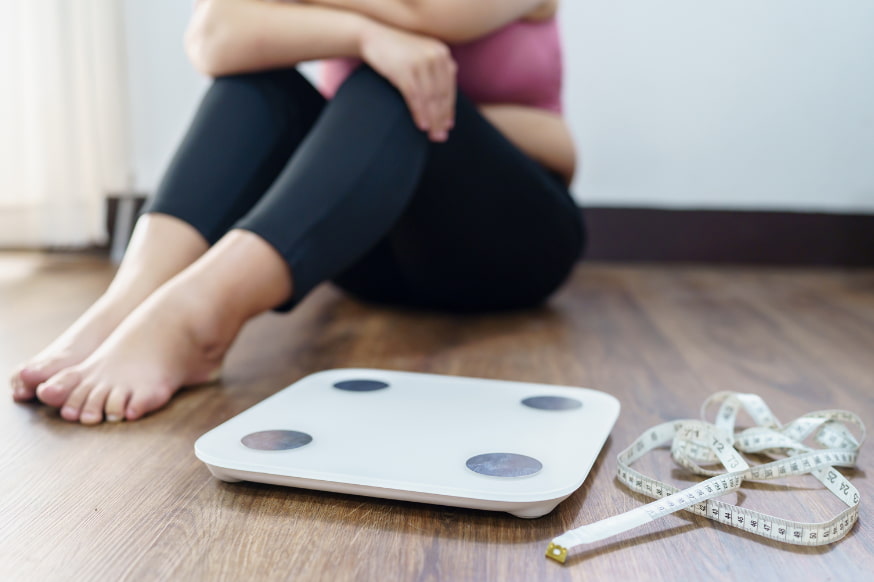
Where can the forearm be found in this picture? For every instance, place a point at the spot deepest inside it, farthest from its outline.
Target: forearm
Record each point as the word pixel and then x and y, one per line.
pixel 235 36
pixel 452 21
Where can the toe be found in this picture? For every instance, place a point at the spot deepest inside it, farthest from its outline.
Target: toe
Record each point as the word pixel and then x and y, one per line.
pixel 116 403
pixel 20 391
pixel 146 400
pixel 56 390
pixel 38 371
pixel 92 410
pixel 75 403
pixel 34 374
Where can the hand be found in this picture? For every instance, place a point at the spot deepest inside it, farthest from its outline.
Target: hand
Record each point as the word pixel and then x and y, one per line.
pixel 421 68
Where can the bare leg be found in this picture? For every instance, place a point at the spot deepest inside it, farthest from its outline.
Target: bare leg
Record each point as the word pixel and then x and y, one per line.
pixel 161 246
pixel 178 336
pixel 246 129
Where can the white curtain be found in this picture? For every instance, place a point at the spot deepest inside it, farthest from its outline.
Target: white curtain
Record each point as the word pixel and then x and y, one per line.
pixel 64 136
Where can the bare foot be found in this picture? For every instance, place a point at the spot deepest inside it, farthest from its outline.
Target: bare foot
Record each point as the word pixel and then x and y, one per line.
pixel 161 247
pixel 72 347
pixel 174 338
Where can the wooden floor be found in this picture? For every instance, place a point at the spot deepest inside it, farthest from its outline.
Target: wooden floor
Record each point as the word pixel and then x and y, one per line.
pixel 131 501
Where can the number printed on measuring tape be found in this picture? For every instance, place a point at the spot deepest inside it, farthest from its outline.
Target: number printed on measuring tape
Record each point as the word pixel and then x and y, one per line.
pixel 697 442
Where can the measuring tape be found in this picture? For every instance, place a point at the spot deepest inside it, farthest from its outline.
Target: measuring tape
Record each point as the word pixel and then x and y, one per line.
pixel 697 442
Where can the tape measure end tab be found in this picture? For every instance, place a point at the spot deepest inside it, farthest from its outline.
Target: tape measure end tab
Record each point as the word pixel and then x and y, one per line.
pixel 556 552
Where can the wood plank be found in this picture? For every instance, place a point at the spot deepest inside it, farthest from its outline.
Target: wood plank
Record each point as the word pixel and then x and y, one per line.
pixel 131 501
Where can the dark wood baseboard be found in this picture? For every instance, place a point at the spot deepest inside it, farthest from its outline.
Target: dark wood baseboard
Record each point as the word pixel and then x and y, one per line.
pixel 712 236
pixel 721 236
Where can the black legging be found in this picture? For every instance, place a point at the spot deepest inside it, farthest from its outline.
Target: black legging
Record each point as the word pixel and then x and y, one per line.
pixel 349 190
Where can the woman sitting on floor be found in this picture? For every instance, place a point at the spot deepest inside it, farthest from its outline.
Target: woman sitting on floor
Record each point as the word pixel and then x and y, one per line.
pixel 391 183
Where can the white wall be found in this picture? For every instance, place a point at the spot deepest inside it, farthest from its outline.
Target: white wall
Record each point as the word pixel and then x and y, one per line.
pixel 757 104
pixel 731 104
pixel 164 88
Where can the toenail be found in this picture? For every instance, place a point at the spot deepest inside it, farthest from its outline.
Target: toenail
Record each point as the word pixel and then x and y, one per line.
pixel 113 418
pixel 89 417
pixel 68 411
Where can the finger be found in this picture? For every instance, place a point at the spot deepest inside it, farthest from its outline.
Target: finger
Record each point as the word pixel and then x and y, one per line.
pixel 433 83
pixel 411 92
pixel 443 104
pixel 448 96
pixel 443 99
pixel 453 92
pixel 425 84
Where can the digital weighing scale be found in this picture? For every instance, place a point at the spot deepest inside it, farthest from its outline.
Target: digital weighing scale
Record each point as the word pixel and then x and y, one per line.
pixel 466 442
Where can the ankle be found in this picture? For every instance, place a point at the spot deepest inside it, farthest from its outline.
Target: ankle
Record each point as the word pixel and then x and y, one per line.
pixel 243 274
pixel 205 315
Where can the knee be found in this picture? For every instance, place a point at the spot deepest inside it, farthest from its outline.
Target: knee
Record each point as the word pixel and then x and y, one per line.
pixel 241 85
pixel 365 78
pixel 284 94
pixel 367 88
pixel 261 81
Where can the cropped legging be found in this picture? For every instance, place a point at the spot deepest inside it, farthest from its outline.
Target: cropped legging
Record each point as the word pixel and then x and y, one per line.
pixel 350 191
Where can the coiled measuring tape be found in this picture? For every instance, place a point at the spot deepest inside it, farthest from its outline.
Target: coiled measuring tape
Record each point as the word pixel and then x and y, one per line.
pixel 697 442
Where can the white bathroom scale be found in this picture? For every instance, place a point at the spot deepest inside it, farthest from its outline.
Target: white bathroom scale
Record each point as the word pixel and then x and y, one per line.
pixel 466 442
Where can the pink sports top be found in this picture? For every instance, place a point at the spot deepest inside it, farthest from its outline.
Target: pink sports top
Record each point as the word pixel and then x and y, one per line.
pixel 519 64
